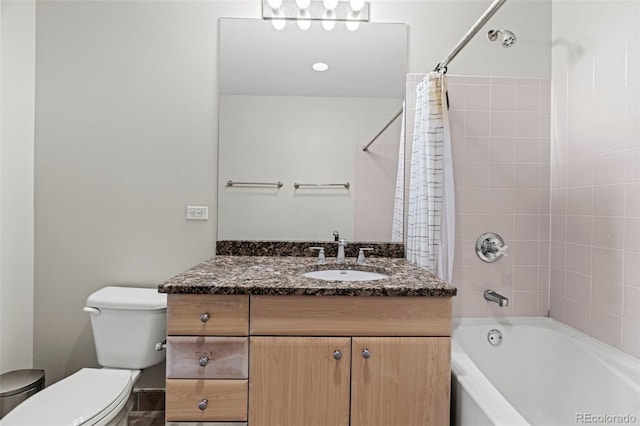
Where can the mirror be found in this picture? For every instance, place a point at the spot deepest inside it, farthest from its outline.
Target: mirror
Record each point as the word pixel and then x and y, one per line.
pixel 281 123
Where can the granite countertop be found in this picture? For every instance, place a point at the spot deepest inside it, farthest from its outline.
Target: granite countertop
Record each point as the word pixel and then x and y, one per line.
pixel 279 275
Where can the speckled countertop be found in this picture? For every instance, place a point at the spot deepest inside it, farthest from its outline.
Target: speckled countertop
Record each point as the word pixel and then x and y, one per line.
pixel 273 275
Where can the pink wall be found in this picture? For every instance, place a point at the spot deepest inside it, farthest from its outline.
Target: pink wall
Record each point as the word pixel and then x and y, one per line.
pixel 595 213
pixel 500 143
pixel 375 185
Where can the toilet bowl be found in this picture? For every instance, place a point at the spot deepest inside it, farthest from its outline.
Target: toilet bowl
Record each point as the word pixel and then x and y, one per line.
pixel 127 323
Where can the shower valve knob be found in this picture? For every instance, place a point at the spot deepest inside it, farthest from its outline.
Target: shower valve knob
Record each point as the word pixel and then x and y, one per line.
pixel 202 405
pixel 205 317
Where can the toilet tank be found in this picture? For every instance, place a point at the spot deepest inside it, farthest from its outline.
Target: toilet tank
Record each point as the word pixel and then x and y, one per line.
pixel 127 323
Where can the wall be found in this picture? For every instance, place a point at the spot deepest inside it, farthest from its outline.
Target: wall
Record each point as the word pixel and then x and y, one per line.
pixel 16 183
pixel 294 139
pixel 126 127
pixel 376 173
pixel 126 137
pixel 595 210
pixel 500 146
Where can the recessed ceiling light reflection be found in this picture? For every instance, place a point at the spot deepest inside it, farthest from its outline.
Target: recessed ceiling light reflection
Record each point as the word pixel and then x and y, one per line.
pixel 320 66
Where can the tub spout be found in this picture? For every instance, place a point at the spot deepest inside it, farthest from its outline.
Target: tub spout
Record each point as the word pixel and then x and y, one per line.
pixel 492 296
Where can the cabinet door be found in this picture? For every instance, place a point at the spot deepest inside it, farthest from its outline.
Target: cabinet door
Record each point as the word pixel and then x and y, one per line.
pixel 296 381
pixel 400 381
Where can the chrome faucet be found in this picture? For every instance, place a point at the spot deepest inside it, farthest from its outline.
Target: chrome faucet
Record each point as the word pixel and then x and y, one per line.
pixel 492 296
pixel 341 244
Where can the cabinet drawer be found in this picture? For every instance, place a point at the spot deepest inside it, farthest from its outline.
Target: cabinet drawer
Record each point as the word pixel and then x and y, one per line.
pixel 207 315
pixel 350 316
pixel 226 400
pixel 191 357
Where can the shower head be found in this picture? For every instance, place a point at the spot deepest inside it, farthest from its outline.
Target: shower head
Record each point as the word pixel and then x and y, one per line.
pixel 508 38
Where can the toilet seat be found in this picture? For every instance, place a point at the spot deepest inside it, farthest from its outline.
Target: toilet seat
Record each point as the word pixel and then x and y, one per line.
pixel 84 398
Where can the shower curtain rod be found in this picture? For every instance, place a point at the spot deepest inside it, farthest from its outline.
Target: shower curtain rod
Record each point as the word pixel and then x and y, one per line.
pixel 442 66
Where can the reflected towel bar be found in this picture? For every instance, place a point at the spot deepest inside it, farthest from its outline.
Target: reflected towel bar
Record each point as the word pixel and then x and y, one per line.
pixel 298 185
pixel 278 184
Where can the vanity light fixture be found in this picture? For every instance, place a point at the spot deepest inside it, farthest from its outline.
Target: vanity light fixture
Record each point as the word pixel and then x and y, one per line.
pixel 326 11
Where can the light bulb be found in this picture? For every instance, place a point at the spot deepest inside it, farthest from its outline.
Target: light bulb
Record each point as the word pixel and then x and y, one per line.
pixel 330 4
pixel 353 25
pixel 356 5
pixel 304 20
pixel 328 25
pixel 329 20
pixel 274 4
pixel 303 4
pixel 279 24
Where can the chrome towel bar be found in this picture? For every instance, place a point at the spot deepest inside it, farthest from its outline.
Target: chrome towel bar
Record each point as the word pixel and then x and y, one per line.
pixel 298 185
pixel 232 183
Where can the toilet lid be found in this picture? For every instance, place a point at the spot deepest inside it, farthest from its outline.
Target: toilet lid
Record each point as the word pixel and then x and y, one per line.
pixel 80 399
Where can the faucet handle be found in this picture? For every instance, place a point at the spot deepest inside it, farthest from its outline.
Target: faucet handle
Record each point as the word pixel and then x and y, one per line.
pixel 321 256
pixel 342 242
pixel 361 256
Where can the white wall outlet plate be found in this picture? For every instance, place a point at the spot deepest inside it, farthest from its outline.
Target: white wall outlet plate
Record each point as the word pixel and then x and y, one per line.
pixel 197 213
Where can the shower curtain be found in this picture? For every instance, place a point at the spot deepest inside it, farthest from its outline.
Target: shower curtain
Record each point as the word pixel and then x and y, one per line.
pixel 431 213
pixel 397 225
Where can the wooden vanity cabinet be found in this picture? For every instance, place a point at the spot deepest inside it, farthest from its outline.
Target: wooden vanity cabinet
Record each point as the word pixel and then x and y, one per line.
pixel 341 360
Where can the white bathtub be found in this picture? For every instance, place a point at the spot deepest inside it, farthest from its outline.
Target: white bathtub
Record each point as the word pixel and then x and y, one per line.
pixel 543 373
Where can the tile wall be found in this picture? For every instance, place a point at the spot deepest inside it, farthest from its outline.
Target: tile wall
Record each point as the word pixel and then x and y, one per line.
pixel 595 207
pixel 375 185
pixel 500 131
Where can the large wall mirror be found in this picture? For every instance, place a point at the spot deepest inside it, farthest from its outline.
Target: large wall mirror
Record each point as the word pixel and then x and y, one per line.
pixel 280 121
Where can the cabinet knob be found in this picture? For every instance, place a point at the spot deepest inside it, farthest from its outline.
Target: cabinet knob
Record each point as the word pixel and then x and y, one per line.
pixel 337 354
pixel 202 405
pixel 366 354
pixel 205 317
pixel 203 361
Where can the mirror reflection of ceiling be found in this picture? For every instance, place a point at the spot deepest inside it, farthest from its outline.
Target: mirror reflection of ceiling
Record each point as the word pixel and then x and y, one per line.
pixel 361 63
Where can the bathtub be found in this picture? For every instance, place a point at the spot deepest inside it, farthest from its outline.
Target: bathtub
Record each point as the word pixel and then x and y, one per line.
pixel 542 373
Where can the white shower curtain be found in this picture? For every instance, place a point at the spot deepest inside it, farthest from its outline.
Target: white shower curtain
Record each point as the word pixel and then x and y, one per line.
pixel 431 216
pixel 397 225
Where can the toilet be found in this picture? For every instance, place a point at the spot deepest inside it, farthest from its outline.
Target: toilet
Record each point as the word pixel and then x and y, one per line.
pixel 127 324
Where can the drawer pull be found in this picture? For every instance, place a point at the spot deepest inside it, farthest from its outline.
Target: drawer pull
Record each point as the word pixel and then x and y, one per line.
pixel 203 361
pixel 202 405
pixel 205 317
pixel 366 354
pixel 337 355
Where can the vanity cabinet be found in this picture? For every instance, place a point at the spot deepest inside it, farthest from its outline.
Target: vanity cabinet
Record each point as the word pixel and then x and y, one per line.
pixel 312 361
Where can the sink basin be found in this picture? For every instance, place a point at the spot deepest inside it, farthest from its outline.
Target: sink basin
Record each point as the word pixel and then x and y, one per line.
pixel 345 275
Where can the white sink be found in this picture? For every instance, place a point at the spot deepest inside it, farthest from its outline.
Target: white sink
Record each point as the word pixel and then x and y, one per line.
pixel 345 275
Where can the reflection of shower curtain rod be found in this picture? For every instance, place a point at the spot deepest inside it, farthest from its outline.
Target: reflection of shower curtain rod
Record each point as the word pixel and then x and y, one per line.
pixel 366 148
pixel 442 66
